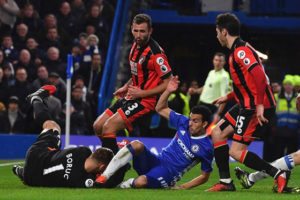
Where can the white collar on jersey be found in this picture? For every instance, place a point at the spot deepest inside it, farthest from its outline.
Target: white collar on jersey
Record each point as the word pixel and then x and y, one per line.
pixel 198 137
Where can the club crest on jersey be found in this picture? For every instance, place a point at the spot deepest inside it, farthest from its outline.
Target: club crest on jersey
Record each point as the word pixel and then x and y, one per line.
pixel 160 60
pixel 195 148
pixel 133 68
pixel 163 68
pixel 246 61
pixel 141 60
pixel 241 54
pixel 89 183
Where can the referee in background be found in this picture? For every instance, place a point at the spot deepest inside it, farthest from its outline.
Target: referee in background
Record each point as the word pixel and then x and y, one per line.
pixel 216 85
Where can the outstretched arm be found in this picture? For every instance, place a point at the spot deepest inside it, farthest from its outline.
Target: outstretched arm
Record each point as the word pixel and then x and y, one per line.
pixel 162 104
pixel 203 178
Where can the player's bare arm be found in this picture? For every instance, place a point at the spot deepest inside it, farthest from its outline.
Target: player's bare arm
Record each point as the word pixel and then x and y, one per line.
pixel 261 84
pixel 162 104
pixel 192 91
pixel 136 92
pixel 121 92
pixel 203 178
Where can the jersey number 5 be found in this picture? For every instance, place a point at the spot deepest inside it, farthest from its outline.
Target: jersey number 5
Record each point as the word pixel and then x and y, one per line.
pixel 240 123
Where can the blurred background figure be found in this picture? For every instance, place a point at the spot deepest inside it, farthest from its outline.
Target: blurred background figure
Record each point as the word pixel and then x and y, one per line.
pixel 288 119
pixel 12 120
pixel 216 85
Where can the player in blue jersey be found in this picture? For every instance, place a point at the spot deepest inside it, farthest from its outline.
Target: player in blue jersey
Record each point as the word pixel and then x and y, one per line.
pixel 189 147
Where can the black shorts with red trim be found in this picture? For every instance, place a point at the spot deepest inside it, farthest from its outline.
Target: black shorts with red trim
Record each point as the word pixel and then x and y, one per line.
pixel 130 111
pixel 245 123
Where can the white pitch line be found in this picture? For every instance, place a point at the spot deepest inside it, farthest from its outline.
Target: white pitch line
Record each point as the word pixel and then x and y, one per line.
pixel 12 163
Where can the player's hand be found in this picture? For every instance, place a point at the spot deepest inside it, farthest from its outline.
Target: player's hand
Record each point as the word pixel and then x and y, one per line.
pixel 191 91
pixel 135 92
pixel 177 187
pixel 121 92
pixel 260 114
pixel 298 102
pixel 173 84
pixel 220 100
pixel 216 118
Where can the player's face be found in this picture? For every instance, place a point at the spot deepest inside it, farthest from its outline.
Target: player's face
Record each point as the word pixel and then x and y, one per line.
pixel 221 35
pixel 141 33
pixel 218 62
pixel 196 125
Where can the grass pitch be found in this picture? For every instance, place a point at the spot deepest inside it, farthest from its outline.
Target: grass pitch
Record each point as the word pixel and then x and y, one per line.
pixel 12 188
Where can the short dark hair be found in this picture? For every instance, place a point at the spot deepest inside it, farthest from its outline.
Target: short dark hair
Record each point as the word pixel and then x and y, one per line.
pixel 204 111
pixel 230 22
pixel 103 155
pixel 142 18
pixel 220 54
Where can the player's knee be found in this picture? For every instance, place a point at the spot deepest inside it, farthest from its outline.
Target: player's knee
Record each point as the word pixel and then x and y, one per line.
pixel 49 124
pixel 107 127
pixel 232 153
pixel 215 134
pixel 97 128
pixel 137 146
pixel 140 182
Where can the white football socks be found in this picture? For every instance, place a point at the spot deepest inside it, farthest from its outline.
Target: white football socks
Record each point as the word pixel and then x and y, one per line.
pixel 284 163
pixel 118 161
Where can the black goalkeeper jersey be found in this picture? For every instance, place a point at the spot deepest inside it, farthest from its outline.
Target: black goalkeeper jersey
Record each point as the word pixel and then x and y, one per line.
pixel 58 168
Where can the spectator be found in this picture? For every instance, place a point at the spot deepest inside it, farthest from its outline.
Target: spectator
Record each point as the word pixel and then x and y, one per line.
pixel 95 18
pixel 107 10
pixel 53 40
pixel 26 62
pixel 77 57
pixel 21 36
pixel 3 88
pixel 12 120
pixel 36 53
pixel 179 101
pixel 54 63
pixel 54 107
pixel 81 118
pixel 10 53
pixel 30 17
pixel 276 87
pixel 50 21
pixel 4 29
pixel 79 82
pixel 288 119
pixel 94 81
pixel 83 43
pixel 61 89
pixel 9 74
pixel 42 78
pixel 67 20
pixel 8 12
pixel 21 89
pixel 194 98
pixel 78 9
pixel 92 48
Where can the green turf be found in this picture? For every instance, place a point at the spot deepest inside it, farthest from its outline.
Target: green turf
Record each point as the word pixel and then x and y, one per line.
pixel 12 188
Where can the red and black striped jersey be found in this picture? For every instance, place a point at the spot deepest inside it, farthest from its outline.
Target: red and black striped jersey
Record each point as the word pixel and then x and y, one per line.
pixel 242 60
pixel 149 66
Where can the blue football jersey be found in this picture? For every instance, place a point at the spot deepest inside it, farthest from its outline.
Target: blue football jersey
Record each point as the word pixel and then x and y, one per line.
pixel 186 151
